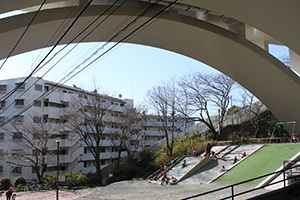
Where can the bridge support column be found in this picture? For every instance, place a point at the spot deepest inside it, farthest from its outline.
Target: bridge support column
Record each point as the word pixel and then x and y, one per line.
pixel 295 62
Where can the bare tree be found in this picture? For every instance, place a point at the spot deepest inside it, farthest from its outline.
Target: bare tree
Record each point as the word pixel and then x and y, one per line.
pixel 183 107
pixel 253 107
pixel 33 145
pixel 129 134
pixel 91 118
pixel 285 60
pixel 162 100
pixel 206 93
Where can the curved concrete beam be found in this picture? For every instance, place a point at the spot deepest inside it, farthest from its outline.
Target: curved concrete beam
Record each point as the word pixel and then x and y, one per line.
pixel 277 18
pixel 254 68
pixel 13 5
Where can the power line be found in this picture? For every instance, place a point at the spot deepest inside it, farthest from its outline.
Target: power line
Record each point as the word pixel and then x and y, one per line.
pixel 110 40
pixel 64 34
pixel 57 30
pixel 38 56
pixel 22 34
pixel 123 39
pixel 45 46
pixel 81 32
pixel 69 50
pixel 73 47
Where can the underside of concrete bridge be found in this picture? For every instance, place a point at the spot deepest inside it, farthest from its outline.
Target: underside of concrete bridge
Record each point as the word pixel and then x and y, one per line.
pixel 231 36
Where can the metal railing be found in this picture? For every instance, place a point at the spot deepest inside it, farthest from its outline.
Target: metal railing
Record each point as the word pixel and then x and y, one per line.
pixel 271 140
pixel 231 187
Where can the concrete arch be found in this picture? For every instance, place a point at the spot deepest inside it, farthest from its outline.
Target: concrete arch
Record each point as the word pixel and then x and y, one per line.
pixel 231 53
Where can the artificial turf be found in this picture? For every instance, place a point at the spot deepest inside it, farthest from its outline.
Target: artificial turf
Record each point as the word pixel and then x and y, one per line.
pixel 266 160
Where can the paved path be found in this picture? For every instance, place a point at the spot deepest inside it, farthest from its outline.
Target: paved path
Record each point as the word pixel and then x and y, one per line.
pixel 51 194
pixel 142 190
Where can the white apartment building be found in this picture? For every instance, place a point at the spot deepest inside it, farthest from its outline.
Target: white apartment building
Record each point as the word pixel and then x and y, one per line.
pixel 30 104
pixel 27 105
pixel 153 128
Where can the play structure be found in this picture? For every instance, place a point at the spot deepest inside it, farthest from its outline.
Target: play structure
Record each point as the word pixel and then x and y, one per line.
pixel 291 128
pixel 283 132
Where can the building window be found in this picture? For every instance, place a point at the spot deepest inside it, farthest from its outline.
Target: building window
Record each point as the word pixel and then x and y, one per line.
pixel 2 120
pixel 17 170
pixel 17 136
pixel 37 103
pixel 46 88
pixel 63 151
pixel 102 162
pixel 19 102
pixel 3 88
pixel 60 168
pixel 2 104
pixel 1 152
pixel 33 170
pixel 16 152
pixel 20 85
pixel 37 119
pixel 45 118
pixel 46 102
pixel 38 87
pixel 19 119
pixel 1 136
pixel 1 169
pixel 86 150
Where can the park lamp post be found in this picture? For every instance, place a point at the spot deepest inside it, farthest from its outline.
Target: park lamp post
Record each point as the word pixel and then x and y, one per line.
pixel 57 172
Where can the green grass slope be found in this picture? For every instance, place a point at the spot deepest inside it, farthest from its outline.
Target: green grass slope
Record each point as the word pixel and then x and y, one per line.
pixel 266 160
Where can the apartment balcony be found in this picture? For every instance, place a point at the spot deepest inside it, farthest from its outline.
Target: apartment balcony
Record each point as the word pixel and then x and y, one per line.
pixel 59 97
pixel 104 143
pixel 104 156
pixel 90 169
pixel 153 133
pixel 53 112
pixel 150 142
pixel 67 143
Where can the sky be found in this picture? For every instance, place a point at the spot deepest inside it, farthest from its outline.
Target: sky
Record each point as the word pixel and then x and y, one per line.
pixel 130 70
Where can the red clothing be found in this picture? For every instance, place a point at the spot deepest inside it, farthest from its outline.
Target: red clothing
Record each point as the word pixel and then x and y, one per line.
pixel 9 192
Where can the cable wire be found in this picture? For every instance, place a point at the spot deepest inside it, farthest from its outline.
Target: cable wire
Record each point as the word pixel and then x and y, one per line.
pixel 23 34
pixel 68 51
pixel 36 68
pixel 123 39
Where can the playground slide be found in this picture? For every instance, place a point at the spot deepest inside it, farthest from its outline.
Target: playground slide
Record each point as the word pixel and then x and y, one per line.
pixel 193 164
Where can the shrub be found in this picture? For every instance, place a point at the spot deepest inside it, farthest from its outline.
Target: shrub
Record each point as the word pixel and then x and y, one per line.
pixel 209 135
pixel 5 183
pixel 76 179
pixel 146 155
pixel 50 181
pixel 19 181
pixel 93 179
pixel 127 171
pixel 182 147
pixel 19 188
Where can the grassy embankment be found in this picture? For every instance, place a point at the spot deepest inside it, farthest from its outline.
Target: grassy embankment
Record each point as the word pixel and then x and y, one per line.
pixel 266 160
